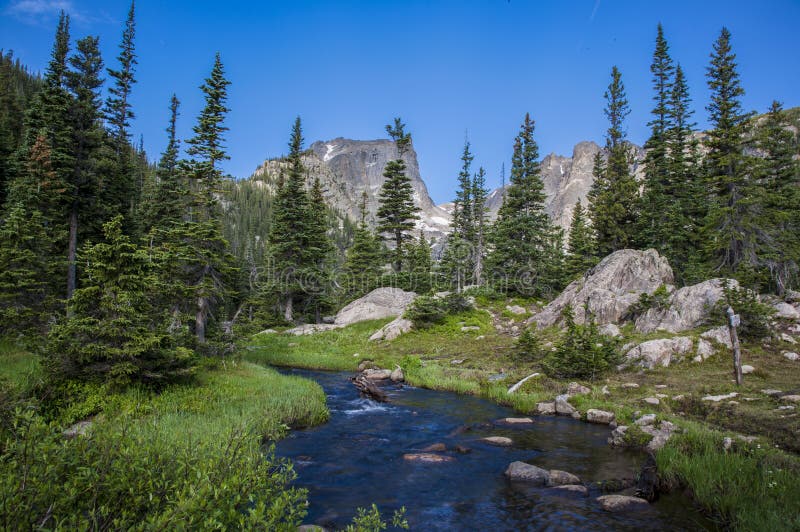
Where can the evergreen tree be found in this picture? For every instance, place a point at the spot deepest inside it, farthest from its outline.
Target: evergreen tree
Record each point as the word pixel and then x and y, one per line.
pixel 397 212
pixel 364 259
pixel 779 185
pixel 320 254
pixel 686 212
pixel 463 220
pixel 122 192
pixel 523 235
pixel 730 224
pixel 581 245
pixel 614 194
pixel 657 198
pixel 457 264
pixel 420 265
pixel 84 83
pixel 198 252
pixel 479 194
pixel 289 253
pixel 112 333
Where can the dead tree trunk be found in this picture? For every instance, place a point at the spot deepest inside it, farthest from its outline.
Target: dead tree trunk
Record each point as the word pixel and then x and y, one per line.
pixel 733 322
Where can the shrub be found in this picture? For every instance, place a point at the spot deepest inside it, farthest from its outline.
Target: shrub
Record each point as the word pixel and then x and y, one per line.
pixel 582 352
pixel 457 302
pixel 659 300
pixel 754 315
pixel 528 346
pixel 426 312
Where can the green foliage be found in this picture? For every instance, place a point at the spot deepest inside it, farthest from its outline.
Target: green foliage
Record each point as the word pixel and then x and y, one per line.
pixel 528 346
pixel 582 352
pixel 754 315
pixel 397 211
pixel 658 300
pixel 526 253
pixel 371 520
pixel 111 332
pixel 582 253
pixel 426 311
pixel 613 198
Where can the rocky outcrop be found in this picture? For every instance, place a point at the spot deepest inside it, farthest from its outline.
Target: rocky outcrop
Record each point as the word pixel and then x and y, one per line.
pixel 610 288
pixel 687 308
pixel 659 352
pixel 378 304
pixel 392 330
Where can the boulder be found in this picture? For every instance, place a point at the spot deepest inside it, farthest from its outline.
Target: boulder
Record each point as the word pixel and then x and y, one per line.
pixel 704 350
pixel 521 471
pixel 617 438
pixel 392 330
pixel 397 375
pixel 574 388
pixel 646 420
pixel 516 309
pixel 659 352
pixel 546 408
pixel 653 401
pixel 563 407
pixel 747 369
pixel 791 398
pixel 573 488
pixel 610 288
pixel 599 416
pixel 560 478
pixel 430 458
pixel 687 308
pixel 609 329
pixel 621 503
pixel 720 335
pixel 500 441
pixel 515 421
pixel 377 374
pixel 786 311
pixel 367 364
pixel 794 357
pixel 378 304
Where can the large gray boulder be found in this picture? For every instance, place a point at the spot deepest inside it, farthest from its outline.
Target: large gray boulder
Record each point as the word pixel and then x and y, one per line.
pixel 521 471
pixel 392 330
pixel 378 304
pixel 687 308
pixel 659 352
pixel 610 288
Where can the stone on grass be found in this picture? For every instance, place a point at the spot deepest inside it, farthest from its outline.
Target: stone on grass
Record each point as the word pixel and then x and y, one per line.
pixel 574 388
pixel 521 471
pixel 720 335
pixel 791 398
pixel 652 400
pixel 718 398
pixel 516 309
pixel 630 385
pixel 397 375
pixel 602 417
pixel 786 311
pixel 771 392
pixel 563 407
pixel 704 350
pixel 660 352
pixel 610 329
pixel 621 503
pixel 794 357
pixel 380 303
pixel 392 330
pixel 747 369
pixel 645 420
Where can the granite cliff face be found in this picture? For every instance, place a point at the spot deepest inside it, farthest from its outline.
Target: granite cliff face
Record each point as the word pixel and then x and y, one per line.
pixel 347 168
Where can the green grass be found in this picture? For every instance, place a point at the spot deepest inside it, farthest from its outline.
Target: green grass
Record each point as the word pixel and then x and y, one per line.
pixel 17 366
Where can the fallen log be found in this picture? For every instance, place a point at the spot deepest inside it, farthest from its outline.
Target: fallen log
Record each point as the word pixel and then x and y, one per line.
pixel 369 389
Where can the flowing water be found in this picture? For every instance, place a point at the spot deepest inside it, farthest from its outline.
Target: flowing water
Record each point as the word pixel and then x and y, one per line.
pixel 356 459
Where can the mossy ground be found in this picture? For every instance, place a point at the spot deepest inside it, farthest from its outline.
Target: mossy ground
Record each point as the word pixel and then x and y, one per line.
pixel 741 487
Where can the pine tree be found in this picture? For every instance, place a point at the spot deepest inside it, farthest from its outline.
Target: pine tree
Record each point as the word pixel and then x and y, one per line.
pixel 686 212
pixel 207 145
pixel 198 251
pixel 463 220
pixel 730 230
pixel 288 252
pixel 779 187
pixel 364 259
pixel 657 198
pixel 420 265
pixel 581 245
pixel 112 333
pixel 122 192
pixel 397 212
pixel 320 253
pixel 84 83
pixel 523 235
pixel 457 264
pixel 614 194
pixel 479 194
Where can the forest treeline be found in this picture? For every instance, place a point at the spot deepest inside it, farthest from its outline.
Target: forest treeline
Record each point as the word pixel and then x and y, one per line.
pixel 131 268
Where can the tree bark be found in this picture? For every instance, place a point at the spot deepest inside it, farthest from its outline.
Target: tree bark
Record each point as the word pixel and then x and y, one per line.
pixel 288 311
pixel 72 250
pixel 737 352
pixel 200 319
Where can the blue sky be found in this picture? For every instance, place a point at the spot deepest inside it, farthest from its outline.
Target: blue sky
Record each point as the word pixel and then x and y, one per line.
pixel 448 68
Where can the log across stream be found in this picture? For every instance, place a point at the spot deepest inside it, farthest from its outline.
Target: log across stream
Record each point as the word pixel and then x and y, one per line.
pixel 357 459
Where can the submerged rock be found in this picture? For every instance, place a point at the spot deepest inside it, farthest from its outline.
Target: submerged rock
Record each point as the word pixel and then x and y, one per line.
pixel 546 408
pixel 500 441
pixel 434 447
pixel 621 503
pixel 521 471
pixel 573 488
pixel 559 478
pixel 515 421
pixel 430 458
